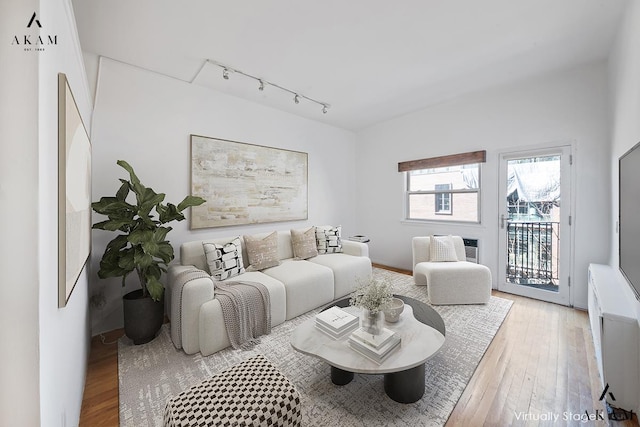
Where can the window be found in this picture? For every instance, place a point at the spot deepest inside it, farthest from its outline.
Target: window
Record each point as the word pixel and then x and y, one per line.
pixel 443 199
pixel 443 188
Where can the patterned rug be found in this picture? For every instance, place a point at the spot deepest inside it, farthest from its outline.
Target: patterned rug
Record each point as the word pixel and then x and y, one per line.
pixel 150 374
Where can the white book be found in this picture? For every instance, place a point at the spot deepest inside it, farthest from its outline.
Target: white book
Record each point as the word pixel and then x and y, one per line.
pixel 375 341
pixel 377 356
pixel 336 319
pixel 333 334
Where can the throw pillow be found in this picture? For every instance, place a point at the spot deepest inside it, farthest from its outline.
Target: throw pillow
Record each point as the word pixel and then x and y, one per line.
pixel 442 249
pixel 224 260
pixel 304 243
pixel 328 239
pixel 262 251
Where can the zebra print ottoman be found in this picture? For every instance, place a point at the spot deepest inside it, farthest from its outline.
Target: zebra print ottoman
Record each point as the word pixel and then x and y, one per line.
pixel 252 393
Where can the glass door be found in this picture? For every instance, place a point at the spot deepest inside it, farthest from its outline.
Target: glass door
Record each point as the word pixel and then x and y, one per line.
pixel 535 221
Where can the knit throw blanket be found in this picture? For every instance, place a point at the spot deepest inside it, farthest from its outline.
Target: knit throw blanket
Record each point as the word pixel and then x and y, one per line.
pixel 246 309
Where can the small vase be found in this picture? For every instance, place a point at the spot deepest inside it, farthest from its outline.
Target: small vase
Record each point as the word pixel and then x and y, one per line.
pixel 372 323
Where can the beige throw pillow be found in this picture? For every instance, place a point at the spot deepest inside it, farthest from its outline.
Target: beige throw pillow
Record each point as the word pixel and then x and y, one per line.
pixel 304 243
pixel 262 251
pixel 442 249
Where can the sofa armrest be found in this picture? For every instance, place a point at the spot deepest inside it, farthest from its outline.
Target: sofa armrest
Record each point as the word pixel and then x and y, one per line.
pixel 351 247
pixel 420 249
pixel 185 307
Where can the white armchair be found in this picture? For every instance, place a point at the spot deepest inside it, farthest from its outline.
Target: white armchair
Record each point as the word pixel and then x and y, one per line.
pixel 449 277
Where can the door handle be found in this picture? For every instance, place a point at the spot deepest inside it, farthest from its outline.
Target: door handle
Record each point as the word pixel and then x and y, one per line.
pixel 502 219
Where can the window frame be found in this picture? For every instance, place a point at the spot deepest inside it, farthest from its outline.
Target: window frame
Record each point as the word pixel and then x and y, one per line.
pixel 462 159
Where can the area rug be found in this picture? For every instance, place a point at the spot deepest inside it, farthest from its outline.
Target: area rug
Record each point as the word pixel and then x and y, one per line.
pixel 150 374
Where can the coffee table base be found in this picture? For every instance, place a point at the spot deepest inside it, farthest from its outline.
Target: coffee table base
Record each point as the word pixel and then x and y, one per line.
pixel 340 376
pixel 403 387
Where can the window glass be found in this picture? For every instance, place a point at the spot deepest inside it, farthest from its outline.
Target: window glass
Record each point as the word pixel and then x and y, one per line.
pixel 449 193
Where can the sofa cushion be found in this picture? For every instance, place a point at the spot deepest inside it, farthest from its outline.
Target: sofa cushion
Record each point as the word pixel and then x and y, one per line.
pixel 224 260
pixel 304 243
pixel 328 239
pixel 441 249
pixel 262 251
pixel 307 285
pixel 348 271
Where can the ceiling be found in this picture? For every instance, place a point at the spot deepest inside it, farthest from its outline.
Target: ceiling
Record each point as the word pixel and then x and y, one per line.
pixel 371 60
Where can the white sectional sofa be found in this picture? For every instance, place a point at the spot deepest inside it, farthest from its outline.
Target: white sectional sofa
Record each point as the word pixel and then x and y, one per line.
pixel 295 287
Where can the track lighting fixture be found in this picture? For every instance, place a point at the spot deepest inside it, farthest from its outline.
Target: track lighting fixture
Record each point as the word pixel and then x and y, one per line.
pixel 262 83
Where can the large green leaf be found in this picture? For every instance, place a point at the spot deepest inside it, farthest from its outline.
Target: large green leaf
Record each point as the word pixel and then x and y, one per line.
pixel 190 201
pixel 112 206
pixel 126 260
pixel 141 258
pixel 139 237
pixel 110 265
pixel 155 288
pixel 113 225
pixel 162 250
pixel 123 191
pixel 147 200
pixel 126 166
pixel 169 212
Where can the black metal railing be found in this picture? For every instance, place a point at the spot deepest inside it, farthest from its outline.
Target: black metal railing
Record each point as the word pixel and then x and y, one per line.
pixel 533 249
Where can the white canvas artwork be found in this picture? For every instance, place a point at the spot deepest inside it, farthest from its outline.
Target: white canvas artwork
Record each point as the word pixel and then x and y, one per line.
pixel 246 184
pixel 74 193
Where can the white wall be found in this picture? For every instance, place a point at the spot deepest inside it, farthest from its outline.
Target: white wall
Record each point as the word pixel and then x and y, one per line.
pixel 564 107
pixel 19 379
pixel 44 359
pixel 64 332
pixel 146 119
pixel 624 79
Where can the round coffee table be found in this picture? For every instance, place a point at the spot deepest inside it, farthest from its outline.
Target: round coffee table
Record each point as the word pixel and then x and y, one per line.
pixel 422 332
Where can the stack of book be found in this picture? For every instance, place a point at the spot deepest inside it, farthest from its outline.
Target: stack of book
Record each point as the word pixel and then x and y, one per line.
pixel 359 238
pixel 374 347
pixel 336 322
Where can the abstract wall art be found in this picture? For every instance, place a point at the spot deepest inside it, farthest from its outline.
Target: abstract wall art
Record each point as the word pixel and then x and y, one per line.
pixel 246 183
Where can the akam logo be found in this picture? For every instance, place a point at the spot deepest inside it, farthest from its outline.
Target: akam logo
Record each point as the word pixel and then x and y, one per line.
pixel 34 42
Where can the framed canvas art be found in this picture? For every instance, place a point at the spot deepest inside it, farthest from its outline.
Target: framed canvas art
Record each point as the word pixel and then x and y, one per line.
pixel 74 192
pixel 246 183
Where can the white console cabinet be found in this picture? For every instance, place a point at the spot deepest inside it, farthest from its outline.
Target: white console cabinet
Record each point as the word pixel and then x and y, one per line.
pixel 615 336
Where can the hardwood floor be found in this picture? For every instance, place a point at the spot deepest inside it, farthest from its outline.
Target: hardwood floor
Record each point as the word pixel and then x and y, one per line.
pixel 540 362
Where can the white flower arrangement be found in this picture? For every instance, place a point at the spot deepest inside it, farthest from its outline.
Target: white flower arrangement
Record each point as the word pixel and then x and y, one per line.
pixel 373 296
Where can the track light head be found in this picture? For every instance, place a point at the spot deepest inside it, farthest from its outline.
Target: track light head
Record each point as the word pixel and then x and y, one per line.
pixel 296 99
pixel 324 109
pixel 261 87
pixel 225 74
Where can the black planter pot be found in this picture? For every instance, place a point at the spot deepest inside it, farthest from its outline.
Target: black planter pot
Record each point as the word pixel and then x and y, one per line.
pixel 143 316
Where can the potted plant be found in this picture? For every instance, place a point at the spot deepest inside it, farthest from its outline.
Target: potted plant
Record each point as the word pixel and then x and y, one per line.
pixel 373 298
pixel 140 246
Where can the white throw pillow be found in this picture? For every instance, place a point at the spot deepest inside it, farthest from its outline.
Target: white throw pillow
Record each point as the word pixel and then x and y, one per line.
pixel 224 260
pixel 328 239
pixel 442 249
